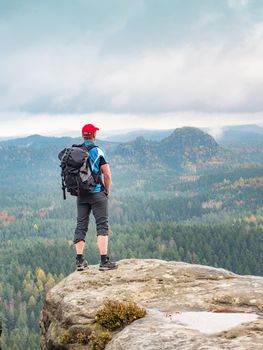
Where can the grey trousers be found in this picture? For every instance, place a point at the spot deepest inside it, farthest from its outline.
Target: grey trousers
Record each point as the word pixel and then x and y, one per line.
pixel 97 203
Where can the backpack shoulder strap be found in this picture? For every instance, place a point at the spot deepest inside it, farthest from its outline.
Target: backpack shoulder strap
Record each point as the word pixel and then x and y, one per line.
pixel 88 148
pixel 84 147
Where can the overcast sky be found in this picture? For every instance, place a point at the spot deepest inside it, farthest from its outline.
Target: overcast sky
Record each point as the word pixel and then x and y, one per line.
pixel 129 64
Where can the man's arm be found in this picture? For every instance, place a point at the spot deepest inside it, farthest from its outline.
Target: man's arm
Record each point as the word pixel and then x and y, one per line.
pixel 105 169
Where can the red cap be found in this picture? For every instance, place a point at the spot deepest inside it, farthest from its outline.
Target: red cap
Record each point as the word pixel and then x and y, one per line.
pixel 89 129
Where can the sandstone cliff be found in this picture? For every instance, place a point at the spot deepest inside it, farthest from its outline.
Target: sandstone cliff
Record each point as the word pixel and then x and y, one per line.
pixel 188 307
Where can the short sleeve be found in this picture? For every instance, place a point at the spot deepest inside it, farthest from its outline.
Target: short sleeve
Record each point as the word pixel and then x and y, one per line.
pixel 103 161
pixel 103 157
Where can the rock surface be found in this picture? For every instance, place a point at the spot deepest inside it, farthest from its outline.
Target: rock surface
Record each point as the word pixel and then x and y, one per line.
pixel 165 290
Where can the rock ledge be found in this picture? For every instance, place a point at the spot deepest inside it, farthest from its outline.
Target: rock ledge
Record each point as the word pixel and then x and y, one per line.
pixel 166 288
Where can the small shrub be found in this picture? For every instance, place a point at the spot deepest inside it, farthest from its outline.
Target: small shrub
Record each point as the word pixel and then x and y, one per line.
pixel 115 314
pixel 65 337
pixel 111 316
pixel 99 341
pixel 83 337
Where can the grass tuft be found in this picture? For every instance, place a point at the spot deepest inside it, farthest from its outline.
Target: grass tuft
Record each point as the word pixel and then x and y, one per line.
pixel 115 314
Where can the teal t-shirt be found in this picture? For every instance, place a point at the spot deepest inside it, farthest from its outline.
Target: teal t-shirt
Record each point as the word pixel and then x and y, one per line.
pixel 97 157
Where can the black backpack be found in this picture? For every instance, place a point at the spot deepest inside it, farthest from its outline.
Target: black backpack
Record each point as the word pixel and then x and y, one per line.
pixel 76 173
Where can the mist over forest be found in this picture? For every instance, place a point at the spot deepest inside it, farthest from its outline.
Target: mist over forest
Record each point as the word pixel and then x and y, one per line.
pixel 182 196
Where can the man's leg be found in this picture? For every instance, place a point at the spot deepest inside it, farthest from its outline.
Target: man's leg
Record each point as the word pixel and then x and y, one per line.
pixel 80 233
pixel 100 212
pixel 102 242
pixel 80 247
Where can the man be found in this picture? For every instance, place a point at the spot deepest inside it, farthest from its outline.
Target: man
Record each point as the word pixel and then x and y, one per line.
pixel 95 201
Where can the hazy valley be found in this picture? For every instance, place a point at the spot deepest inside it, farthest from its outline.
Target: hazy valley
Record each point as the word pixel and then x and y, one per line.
pixel 180 196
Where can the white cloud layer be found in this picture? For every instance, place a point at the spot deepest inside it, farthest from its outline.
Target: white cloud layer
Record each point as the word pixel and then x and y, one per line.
pixel 209 76
pixel 137 64
pixel 238 4
pixel 23 124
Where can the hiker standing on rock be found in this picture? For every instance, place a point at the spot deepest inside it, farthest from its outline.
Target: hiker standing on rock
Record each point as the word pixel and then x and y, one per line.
pixel 95 201
pixel 86 174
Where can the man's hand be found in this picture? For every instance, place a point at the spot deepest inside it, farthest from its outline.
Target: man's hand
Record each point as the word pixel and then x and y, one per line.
pixel 105 169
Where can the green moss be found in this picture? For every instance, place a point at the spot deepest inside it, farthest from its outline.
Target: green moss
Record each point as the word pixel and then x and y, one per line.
pixel 111 316
pixel 96 340
pixel 65 337
pixel 99 341
pixel 83 337
pixel 115 314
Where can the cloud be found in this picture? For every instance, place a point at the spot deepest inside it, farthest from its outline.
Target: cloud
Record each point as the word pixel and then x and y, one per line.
pixel 208 76
pixel 76 72
pixel 238 4
pixel 23 124
pixel 216 131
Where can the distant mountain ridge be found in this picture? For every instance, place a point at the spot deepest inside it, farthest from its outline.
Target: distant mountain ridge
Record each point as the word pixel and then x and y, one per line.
pixel 242 135
pixel 226 136
pixel 38 141
pixel 234 135
pixel 185 150
pixel 151 135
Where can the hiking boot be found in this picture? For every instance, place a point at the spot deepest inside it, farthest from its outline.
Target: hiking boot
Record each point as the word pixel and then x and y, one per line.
pixel 107 265
pixel 81 264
